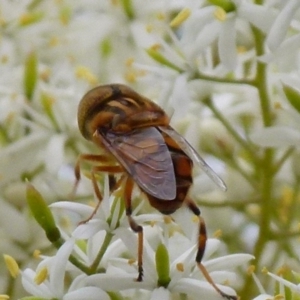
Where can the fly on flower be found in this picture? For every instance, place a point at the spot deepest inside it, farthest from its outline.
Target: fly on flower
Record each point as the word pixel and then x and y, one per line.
pixel 141 146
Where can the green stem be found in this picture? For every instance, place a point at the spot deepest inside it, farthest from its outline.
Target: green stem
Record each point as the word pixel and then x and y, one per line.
pixel 106 242
pixel 239 205
pixel 4 137
pixel 223 80
pixel 266 166
pixel 234 165
pixel 231 130
pixel 267 162
pixel 283 159
pixel 284 235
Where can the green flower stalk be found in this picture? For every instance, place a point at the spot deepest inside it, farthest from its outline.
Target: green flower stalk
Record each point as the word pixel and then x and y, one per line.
pixel 157 56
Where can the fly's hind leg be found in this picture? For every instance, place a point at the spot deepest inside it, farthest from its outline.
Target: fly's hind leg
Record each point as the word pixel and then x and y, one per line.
pixel 134 226
pixel 202 238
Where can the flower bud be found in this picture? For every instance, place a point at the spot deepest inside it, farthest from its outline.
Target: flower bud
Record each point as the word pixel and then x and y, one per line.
pixel 30 74
pixel 42 213
pixel 162 265
pixel 11 265
pixel 292 95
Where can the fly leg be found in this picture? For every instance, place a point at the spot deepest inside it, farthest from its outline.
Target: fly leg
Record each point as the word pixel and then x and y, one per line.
pixel 111 169
pixel 202 238
pixel 97 169
pixel 92 158
pixel 134 226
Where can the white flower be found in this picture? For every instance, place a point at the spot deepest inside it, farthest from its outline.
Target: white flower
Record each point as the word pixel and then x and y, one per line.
pixel 283 37
pixel 279 28
pixel 281 135
pixel 209 24
pixel 212 53
pixel 184 278
pixel 292 286
pixel 120 275
pixel 54 287
pixel 103 226
pixel 276 136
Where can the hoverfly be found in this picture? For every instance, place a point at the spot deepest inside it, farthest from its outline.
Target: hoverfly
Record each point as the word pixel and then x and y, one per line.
pixel 139 144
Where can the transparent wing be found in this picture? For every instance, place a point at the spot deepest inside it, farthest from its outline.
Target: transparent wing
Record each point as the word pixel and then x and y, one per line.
pixel 194 155
pixel 146 157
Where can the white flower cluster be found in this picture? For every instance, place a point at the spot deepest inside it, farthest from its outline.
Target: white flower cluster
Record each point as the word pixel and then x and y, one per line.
pixel 227 71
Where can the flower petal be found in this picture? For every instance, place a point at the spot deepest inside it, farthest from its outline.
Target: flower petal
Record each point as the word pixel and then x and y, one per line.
pixel 276 136
pixel 281 24
pixel 289 45
pixel 264 297
pixel 179 98
pixel 161 294
pixel 87 293
pixel 23 155
pixel 55 145
pixel 200 289
pixel 227 262
pixel 32 288
pixel 131 242
pixel 58 268
pixel 20 231
pixel 207 35
pixel 260 16
pixel 87 230
pixel 195 23
pixel 116 282
pixel 226 44
pixel 294 287
pixel 81 209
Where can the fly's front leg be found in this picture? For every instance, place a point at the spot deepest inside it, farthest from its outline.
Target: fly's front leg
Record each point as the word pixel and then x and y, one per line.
pixel 202 238
pixel 97 169
pixel 113 183
pixel 92 158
